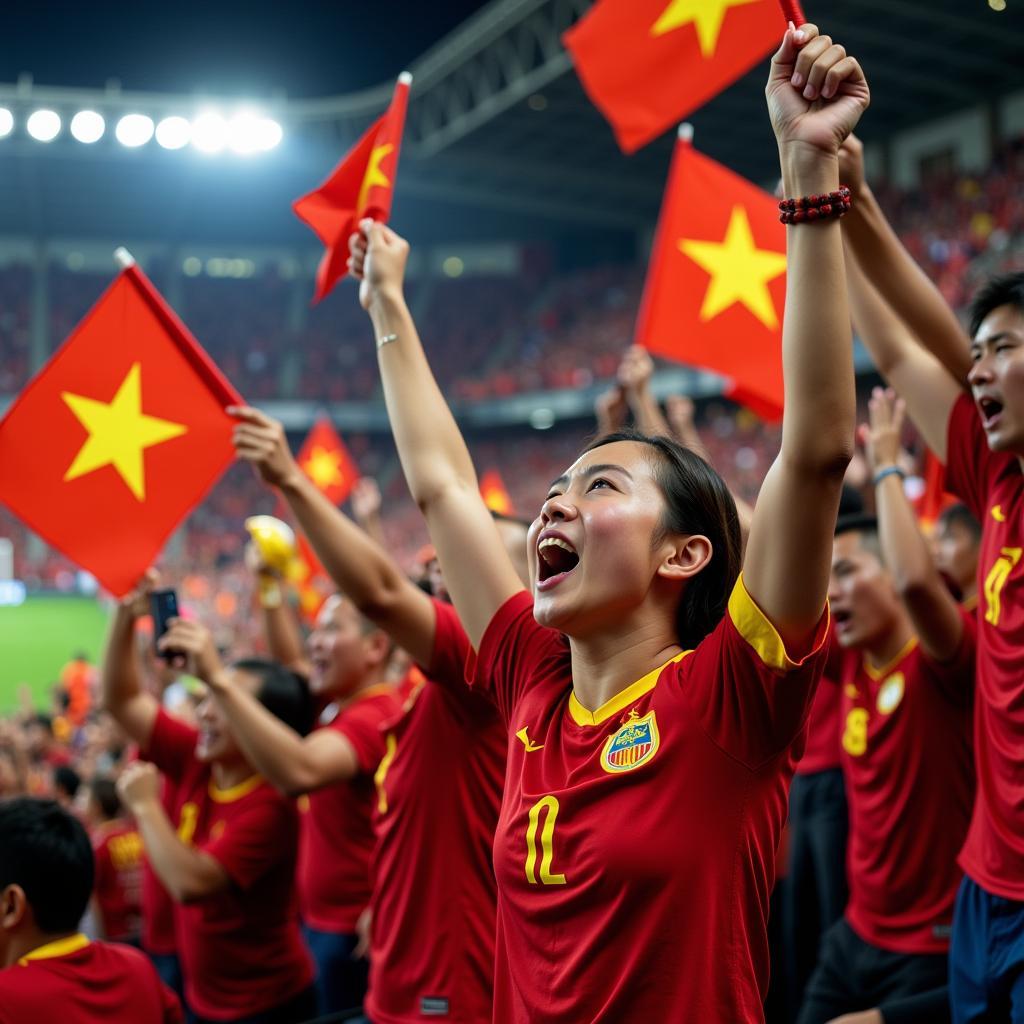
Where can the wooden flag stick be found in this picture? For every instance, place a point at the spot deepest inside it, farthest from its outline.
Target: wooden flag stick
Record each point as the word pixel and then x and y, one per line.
pixel 792 11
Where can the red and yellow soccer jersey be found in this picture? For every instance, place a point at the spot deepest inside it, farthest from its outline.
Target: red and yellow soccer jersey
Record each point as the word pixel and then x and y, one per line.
pixel 908 763
pixel 117 850
pixel 157 906
pixel 635 851
pixel 992 486
pixel 439 789
pixel 336 843
pixel 821 751
pixel 241 950
pixel 75 981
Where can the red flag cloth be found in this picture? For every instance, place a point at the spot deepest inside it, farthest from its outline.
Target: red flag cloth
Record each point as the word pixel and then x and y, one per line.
pixel 362 185
pixel 646 64
pixel 119 436
pixel 495 493
pixel 716 282
pixel 934 500
pixel 327 462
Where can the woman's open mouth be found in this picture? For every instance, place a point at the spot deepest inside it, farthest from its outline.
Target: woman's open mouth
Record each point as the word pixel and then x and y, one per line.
pixel 556 558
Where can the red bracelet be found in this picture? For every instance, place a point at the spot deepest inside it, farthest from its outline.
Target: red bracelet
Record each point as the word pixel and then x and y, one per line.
pixel 808 209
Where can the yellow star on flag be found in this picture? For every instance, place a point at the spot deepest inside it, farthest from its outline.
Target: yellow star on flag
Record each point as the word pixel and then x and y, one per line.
pixel 119 432
pixel 374 175
pixel 739 271
pixel 323 467
pixel 705 15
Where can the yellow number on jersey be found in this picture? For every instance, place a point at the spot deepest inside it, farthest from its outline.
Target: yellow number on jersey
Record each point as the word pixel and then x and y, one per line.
pixel 855 737
pixel 547 836
pixel 996 580
pixel 390 749
pixel 187 824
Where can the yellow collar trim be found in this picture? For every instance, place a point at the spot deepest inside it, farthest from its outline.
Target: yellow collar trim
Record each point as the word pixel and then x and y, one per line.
pixel 371 691
pixel 631 694
pixel 59 947
pixel 878 673
pixel 228 796
pixel 970 603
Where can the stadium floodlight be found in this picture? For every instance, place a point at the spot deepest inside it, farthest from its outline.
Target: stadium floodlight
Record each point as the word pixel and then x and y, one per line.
pixel 87 126
pixel 248 134
pixel 209 133
pixel 173 132
pixel 43 125
pixel 268 133
pixel 134 130
pixel 6 122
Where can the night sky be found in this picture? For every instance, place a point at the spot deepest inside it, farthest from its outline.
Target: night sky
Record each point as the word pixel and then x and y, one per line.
pixel 250 49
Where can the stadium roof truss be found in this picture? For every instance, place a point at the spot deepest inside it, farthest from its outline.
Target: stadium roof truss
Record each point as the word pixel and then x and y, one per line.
pixel 499 122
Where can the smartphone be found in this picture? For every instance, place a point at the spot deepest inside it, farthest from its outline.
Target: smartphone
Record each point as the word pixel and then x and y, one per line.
pixel 164 607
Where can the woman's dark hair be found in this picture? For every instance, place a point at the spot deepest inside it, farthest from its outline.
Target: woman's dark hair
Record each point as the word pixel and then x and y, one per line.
pixel 1005 290
pixel 282 692
pixel 697 501
pixel 47 852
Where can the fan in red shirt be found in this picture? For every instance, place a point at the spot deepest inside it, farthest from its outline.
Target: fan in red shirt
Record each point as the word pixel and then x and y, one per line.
pixel 907 688
pixel 227 854
pixel 347 664
pixel 653 720
pixel 439 783
pixel 49 971
pixel 982 446
pixel 117 848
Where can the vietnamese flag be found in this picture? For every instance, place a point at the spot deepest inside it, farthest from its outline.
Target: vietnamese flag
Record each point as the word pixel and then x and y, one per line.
pixel 716 282
pixel 495 494
pixel 324 458
pixel 646 64
pixel 119 436
pixel 362 185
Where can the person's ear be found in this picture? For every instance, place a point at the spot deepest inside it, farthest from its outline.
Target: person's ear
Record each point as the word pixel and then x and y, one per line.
pixel 13 906
pixel 685 557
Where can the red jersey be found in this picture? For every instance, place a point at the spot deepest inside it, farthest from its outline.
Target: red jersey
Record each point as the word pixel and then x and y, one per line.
pixel 439 789
pixel 336 842
pixel 635 851
pixel 76 981
pixel 992 486
pixel 241 951
pixel 908 763
pixel 157 905
pixel 117 851
pixel 822 750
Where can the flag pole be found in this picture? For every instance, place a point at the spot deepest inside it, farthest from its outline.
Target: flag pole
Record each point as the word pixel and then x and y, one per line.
pixel 685 132
pixel 792 11
pixel 405 78
pixel 123 258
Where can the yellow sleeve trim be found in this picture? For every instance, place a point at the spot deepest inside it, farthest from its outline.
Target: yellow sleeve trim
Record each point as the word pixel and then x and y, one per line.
pixel 60 947
pixel 229 796
pixel 756 628
pixel 630 695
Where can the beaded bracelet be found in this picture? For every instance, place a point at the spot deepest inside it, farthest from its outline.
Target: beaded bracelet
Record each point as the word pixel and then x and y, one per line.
pixel 807 209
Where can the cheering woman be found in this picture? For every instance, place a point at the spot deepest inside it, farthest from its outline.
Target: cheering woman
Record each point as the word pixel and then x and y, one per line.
pixel 654 695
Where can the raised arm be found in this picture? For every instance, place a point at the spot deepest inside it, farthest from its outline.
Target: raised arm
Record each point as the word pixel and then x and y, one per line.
pixel 934 612
pixel 121 692
pixel 280 623
pixel 478 573
pixel 924 383
pixel 291 763
pixel 635 373
pixel 187 874
pixel 360 567
pixel 893 271
pixel 816 94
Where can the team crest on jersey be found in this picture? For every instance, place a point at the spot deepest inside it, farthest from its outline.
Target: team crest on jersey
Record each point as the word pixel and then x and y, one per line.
pixel 634 744
pixel 890 693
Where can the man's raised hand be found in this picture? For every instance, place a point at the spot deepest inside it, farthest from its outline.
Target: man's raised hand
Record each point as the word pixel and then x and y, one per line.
pixel 261 441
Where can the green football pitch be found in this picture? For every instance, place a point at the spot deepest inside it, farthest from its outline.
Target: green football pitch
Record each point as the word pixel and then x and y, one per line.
pixel 38 637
